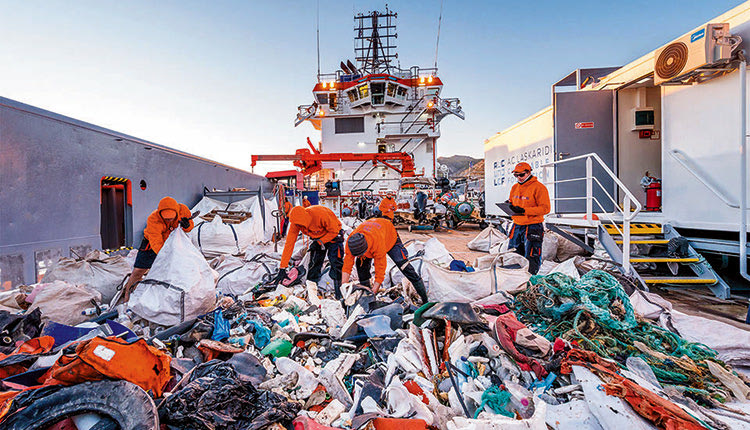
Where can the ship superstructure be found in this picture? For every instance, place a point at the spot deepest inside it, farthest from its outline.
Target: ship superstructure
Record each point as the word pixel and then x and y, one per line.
pixel 376 107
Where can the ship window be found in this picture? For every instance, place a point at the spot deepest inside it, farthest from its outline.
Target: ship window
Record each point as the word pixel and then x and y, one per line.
pixel 391 90
pixel 322 98
pixel 364 92
pixel 332 100
pixel 401 93
pixel 353 95
pixel 350 125
pixel 378 92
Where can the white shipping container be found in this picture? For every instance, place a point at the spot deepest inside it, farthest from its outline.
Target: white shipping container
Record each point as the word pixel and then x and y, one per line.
pixel 529 141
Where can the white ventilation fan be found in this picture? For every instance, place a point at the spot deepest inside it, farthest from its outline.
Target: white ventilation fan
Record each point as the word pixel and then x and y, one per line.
pixel 698 49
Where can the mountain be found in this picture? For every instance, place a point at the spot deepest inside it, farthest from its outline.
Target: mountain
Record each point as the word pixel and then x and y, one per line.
pixel 458 163
pixel 475 171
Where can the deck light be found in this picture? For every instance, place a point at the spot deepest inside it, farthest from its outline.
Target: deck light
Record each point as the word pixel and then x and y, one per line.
pixel 429 79
pixel 421 80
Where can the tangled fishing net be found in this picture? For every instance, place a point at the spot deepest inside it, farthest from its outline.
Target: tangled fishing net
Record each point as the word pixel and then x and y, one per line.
pixel 596 313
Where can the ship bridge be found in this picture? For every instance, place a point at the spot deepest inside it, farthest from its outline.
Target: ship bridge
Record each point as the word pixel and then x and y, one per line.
pixel 372 105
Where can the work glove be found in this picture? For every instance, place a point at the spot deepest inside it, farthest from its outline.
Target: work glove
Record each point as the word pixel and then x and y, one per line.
pixel 185 222
pixel 280 277
pixel 518 209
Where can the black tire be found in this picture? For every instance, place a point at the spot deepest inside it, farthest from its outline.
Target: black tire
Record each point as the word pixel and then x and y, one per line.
pixel 125 403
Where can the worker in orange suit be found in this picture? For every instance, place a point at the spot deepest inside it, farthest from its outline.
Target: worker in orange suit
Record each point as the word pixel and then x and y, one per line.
pixel 324 228
pixel 388 206
pixel 372 241
pixel 305 202
pixel 529 200
pixel 286 209
pixel 167 217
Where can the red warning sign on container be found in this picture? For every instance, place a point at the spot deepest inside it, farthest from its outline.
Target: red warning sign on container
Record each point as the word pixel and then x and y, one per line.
pixel 581 125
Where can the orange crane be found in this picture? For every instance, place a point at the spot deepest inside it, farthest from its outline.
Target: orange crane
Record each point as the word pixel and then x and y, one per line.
pixel 311 162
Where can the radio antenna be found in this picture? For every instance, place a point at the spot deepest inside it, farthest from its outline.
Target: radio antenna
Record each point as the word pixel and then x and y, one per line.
pixel 317 31
pixel 437 42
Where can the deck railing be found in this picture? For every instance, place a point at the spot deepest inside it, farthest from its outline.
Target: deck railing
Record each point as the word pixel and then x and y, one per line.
pixel 627 209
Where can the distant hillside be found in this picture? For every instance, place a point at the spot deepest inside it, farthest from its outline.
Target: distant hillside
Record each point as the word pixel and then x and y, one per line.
pixel 474 172
pixel 458 163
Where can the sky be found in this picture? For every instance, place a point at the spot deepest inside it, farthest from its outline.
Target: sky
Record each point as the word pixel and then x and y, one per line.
pixel 222 79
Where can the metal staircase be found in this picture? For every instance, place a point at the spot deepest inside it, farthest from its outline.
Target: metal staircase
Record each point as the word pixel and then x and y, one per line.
pixel 616 228
pixel 688 268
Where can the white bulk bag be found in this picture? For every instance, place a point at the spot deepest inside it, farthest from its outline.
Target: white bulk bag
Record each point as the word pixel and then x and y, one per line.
pixel 97 271
pixel 487 239
pixel 237 276
pixel 62 302
pixel 216 238
pixel 207 204
pixel 444 285
pixel 179 286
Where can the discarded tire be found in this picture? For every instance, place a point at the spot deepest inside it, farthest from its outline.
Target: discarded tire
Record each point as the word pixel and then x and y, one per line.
pixel 124 403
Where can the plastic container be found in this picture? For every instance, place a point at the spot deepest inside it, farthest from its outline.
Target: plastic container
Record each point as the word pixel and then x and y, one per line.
pixel 278 348
pixel 521 399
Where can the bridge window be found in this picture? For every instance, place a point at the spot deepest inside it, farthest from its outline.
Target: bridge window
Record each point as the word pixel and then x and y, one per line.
pixel 350 125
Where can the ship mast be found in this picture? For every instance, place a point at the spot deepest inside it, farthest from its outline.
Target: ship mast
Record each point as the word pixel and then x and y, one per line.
pixel 375 41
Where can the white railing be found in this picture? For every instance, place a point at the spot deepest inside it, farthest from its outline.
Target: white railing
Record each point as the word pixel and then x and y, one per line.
pixel 623 210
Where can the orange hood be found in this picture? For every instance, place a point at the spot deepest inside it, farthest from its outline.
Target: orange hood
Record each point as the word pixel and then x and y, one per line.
pixel 168 203
pixel 298 215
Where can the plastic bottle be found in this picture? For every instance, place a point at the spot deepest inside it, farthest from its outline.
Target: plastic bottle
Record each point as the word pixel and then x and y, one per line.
pixel 521 399
pixel 89 312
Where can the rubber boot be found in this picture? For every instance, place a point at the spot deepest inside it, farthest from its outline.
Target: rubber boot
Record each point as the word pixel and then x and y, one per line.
pixel 419 286
pixel 337 289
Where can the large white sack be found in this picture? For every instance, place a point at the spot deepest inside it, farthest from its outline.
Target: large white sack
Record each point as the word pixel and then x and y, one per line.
pixel 179 286
pixel 62 302
pixel 97 271
pixel 444 285
pixel 507 259
pixel 236 276
pixel 216 238
pixel 732 343
pixel 549 246
pixel 270 223
pixel 500 247
pixel 487 239
pixel 207 204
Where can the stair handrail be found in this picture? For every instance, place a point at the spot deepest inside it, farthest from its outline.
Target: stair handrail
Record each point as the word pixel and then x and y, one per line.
pixel 627 200
pixel 610 173
pixel 723 197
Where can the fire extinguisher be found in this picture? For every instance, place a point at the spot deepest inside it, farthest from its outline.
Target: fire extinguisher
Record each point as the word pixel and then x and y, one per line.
pixel 653 195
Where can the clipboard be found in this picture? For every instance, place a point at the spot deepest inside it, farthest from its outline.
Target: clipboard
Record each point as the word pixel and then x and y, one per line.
pixel 505 207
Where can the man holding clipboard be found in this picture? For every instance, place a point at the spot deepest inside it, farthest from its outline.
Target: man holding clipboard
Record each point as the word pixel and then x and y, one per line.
pixel 528 204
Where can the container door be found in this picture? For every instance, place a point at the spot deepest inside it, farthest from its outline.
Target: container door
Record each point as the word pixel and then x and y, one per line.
pixel 584 123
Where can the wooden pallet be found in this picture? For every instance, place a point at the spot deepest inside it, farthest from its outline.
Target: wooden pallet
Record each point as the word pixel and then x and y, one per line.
pixel 227 217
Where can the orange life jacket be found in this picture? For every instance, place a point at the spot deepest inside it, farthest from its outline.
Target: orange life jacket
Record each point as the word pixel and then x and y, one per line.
pixel 114 358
